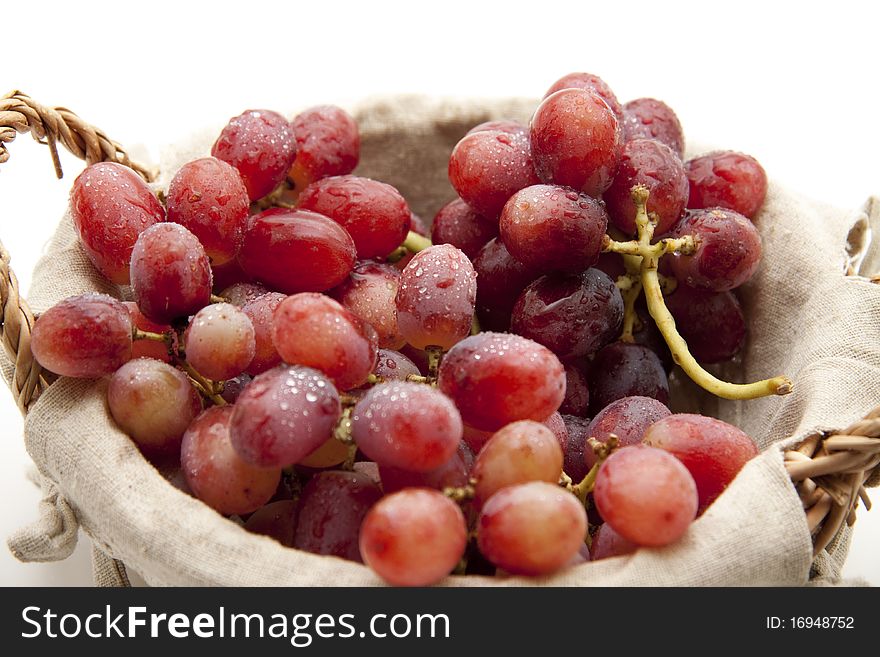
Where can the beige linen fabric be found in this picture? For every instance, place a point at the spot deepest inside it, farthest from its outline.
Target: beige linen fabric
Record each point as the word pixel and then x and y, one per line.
pixel 807 320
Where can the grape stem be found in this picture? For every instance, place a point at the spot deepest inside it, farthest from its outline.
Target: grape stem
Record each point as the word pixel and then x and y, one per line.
pixel 602 451
pixel 459 493
pixel 205 386
pixel 650 256
pixel 217 299
pixel 435 355
pixel 415 242
pixel 137 334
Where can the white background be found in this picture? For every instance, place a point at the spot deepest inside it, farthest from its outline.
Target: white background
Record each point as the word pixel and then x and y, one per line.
pixel 794 84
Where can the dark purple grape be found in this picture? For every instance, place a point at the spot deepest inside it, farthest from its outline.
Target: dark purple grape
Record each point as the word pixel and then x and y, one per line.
pixel 577 391
pixel 502 278
pixel 452 474
pixel 578 432
pixel 712 323
pixel 456 223
pixel 625 369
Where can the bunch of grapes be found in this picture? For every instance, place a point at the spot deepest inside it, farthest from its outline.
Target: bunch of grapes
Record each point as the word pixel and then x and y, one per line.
pixel 327 376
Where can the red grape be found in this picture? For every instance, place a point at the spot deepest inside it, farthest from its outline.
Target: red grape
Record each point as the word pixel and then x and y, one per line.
pixel 261 145
pixel 153 403
pixel 170 273
pixel 216 474
pixel 572 315
pixel 575 140
pixel 276 520
pixel 111 205
pixel 219 341
pixel 414 537
pixel 296 251
pixel 331 510
pixel 228 274
pixel 418 225
pixel 394 366
pixel 627 418
pixel 488 166
pixel 648 118
pixel 436 296
pixel 517 453
pixel 728 250
pixel 85 336
pixel 148 348
pixel 577 391
pixel 369 292
pixel 531 529
pixel 260 311
pixel 557 427
pixel 457 224
pixel 241 294
pixel 712 323
pixel 654 165
pixel 208 197
pixel 503 125
pixel 625 369
pixel 283 415
pixel 314 330
pixel 729 180
pixel 502 278
pixel 498 378
pixel 327 144
pixel 550 228
pixel 589 82
pixel 452 474
pixel 406 425
pixel 646 495
pixel 712 451
pixel 374 213
pixel 608 543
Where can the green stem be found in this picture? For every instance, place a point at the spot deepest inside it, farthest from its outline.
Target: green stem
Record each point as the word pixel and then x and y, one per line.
pixel 415 242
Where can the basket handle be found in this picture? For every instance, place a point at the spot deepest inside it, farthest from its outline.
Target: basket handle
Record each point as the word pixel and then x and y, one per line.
pixel 829 470
pixel 20 114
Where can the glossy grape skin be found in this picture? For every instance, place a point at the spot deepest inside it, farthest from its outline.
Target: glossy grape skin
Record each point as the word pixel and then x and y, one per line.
pixel 435 297
pixel 111 205
pixel 453 473
pixel 578 432
pixel 406 425
pixel 654 165
pixel 418 225
pixel 517 453
pixel 261 145
pixel 283 415
pixel 148 348
pixel 588 82
pixel 577 391
pixel 170 273
pixel 498 378
pixel 327 144
pixel 414 537
pixel 84 336
pixel 488 166
pixel 153 403
pixel 502 278
pixel 627 418
pixel 550 228
pixel 219 341
pixel 394 366
pixel 276 520
pixel 648 118
pixel 228 274
pixel 712 323
pixel 374 213
pixel 502 125
pixel 575 139
pixel 572 315
pixel 260 311
pixel 557 427
pixel 456 223
pixel 241 294
pixel 208 197
pixel 608 543
pixel 232 388
pixel 624 369
pixel 712 451
pixel 215 472
pixel 728 250
pixel 331 510
pixel 369 292
pixel 314 330
pixel 531 529
pixel 296 251
pixel 726 179
pixel 646 495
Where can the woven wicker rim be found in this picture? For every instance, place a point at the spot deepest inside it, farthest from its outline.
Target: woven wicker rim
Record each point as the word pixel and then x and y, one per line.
pixel 829 470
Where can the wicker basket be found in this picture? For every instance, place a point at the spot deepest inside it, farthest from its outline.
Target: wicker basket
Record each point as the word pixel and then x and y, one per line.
pixel 827 469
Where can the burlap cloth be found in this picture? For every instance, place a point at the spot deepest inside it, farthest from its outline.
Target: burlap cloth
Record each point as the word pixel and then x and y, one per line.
pixel 807 320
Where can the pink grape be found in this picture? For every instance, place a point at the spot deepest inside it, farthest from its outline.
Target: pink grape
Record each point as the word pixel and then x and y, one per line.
pixel 453 473
pixel 456 223
pixel 394 366
pixel 628 419
pixel 369 292
pixel 219 341
pixel 608 543
pixel 260 311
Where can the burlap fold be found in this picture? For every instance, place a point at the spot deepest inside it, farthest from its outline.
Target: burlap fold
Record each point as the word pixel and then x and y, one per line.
pixel 807 320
